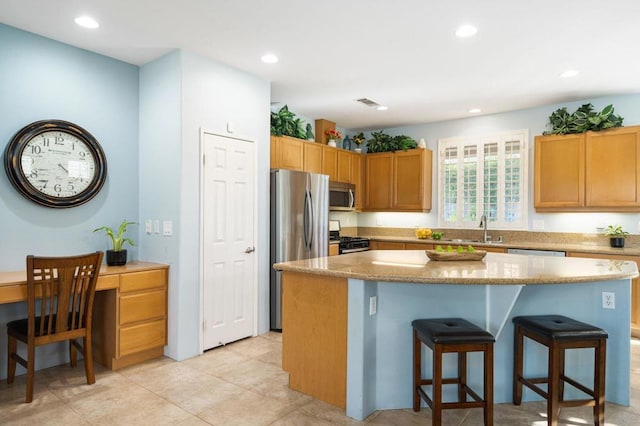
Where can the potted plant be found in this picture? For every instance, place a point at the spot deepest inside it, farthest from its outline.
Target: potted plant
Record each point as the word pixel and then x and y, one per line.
pixel 359 140
pixel 333 136
pixel 117 256
pixel 285 123
pixel 382 142
pixel 616 234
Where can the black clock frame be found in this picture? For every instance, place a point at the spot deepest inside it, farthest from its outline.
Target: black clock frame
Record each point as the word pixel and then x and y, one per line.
pixel 13 167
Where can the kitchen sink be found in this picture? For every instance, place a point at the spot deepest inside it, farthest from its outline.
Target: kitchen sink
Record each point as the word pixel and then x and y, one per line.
pixel 463 241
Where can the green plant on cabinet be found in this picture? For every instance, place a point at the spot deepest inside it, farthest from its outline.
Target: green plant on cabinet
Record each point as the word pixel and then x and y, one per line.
pixel 582 120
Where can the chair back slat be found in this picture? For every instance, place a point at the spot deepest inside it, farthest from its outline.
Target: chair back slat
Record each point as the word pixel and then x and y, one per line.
pixel 67 291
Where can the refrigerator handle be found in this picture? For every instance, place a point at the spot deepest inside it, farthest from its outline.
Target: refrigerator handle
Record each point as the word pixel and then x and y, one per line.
pixel 309 223
pixel 305 219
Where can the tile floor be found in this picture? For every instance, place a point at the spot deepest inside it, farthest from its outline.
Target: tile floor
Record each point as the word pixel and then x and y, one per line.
pixel 240 384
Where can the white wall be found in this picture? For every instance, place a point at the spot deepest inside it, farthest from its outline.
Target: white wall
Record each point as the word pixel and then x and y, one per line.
pixel 209 95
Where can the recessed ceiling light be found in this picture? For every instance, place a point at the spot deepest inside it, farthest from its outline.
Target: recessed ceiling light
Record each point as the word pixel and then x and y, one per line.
pixel 475 110
pixel 269 58
pixel 87 22
pixel 466 31
pixel 569 73
pixel 382 108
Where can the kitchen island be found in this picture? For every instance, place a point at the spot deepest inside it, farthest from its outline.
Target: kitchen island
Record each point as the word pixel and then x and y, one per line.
pixel 347 320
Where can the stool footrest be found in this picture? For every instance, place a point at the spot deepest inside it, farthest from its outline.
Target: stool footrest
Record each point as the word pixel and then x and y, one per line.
pixel 479 402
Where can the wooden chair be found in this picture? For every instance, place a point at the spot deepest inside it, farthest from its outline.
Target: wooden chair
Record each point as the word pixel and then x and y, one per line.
pixel 66 287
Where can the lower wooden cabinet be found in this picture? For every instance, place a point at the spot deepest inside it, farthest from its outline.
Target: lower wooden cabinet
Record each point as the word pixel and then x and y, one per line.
pixel 334 249
pixel 130 321
pixel 398 245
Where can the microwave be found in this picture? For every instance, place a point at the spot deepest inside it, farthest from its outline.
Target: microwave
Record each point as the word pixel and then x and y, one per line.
pixel 342 196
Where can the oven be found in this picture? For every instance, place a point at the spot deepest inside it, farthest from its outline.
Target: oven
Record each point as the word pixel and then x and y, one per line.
pixel 353 244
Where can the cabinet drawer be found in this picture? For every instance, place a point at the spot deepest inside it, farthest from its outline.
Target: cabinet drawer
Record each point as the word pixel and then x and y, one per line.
pixel 142 306
pixel 141 337
pixel 143 280
pixel 107 281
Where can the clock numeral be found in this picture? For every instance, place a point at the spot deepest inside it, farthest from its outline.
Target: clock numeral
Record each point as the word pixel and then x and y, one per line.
pixel 35 149
pixel 45 141
pixel 33 174
pixel 43 187
pixel 82 154
pixel 59 140
pixel 70 187
pixel 57 187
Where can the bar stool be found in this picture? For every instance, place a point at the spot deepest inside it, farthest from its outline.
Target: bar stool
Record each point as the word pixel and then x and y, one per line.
pixel 559 333
pixel 451 335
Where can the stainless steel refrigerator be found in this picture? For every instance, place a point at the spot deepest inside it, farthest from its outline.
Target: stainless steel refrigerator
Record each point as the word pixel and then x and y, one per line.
pixel 299 225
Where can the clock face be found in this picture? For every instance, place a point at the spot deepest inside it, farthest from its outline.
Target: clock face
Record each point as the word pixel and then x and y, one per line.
pixel 55 163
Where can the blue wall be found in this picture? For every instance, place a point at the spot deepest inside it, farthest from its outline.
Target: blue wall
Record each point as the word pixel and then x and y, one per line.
pixel 43 79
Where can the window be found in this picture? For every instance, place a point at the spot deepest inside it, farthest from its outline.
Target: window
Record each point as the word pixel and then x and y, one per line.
pixel 483 175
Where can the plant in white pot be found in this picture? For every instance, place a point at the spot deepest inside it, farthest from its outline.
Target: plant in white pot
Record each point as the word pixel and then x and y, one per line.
pixel 616 235
pixel 117 256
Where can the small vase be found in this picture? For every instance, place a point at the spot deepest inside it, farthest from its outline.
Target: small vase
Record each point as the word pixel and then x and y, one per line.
pixel 116 258
pixel 616 242
pixel 332 142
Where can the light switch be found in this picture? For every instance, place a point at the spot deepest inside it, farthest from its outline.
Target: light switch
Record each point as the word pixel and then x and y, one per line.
pixel 230 126
pixel 156 226
pixel 148 226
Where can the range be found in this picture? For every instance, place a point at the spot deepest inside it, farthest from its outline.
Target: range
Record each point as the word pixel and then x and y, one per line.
pixel 347 244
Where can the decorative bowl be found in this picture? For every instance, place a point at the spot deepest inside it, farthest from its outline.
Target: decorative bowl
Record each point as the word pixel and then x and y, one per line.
pixel 455 256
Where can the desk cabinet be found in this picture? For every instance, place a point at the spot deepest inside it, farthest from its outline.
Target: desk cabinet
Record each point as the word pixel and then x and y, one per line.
pixel 130 322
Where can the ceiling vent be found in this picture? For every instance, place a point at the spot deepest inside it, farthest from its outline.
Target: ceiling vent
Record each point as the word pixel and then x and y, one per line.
pixel 368 102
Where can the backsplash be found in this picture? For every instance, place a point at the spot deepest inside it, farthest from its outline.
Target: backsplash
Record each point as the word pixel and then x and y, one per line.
pixel 507 236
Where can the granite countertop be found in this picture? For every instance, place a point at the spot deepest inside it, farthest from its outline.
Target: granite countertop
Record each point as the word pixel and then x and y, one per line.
pixel 560 246
pixel 413 266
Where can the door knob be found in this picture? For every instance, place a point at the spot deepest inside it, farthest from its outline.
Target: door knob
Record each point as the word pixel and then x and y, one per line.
pixel 250 250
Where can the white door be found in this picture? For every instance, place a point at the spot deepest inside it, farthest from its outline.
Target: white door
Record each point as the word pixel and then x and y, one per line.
pixel 228 239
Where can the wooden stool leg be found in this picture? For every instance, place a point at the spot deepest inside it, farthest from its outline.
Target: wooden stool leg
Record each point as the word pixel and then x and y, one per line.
pixel 518 362
pixel 560 374
pixel 11 362
pixel 553 403
pixel 462 376
pixel 417 370
pixel 31 363
pixel 599 382
pixel 488 385
pixel 437 386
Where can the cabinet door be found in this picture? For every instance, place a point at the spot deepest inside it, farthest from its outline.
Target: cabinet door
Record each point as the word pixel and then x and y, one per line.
pixel 330 162
pixel 418 246
pixel 412 180
pixel 289 153
pixel 356 178
pixel 378 181
pixel 635 290
pixel 344 166
pixel 493 249
pixel 559 172
pixel 613 168
pixel 313 157
pixel 390 245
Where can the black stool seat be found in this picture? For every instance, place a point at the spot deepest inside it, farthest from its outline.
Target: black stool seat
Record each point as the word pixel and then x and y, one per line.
pixel 560 327
pixel 450 330
pixel 559 334
pixel 459 336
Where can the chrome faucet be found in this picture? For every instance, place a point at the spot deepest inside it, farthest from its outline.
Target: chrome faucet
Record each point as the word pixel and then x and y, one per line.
pixel 483 225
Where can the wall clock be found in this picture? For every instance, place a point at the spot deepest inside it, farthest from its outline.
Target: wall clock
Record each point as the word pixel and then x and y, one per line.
pixel 55 163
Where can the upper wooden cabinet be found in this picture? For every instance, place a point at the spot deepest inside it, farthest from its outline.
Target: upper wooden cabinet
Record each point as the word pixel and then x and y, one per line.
pixel 287 153
pixel 399 181
pixel 594 171
pixel 312 158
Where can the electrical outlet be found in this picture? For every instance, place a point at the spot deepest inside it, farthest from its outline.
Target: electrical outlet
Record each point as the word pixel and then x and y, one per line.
pixel 608 300
pixel 148 226
pixel 373 305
